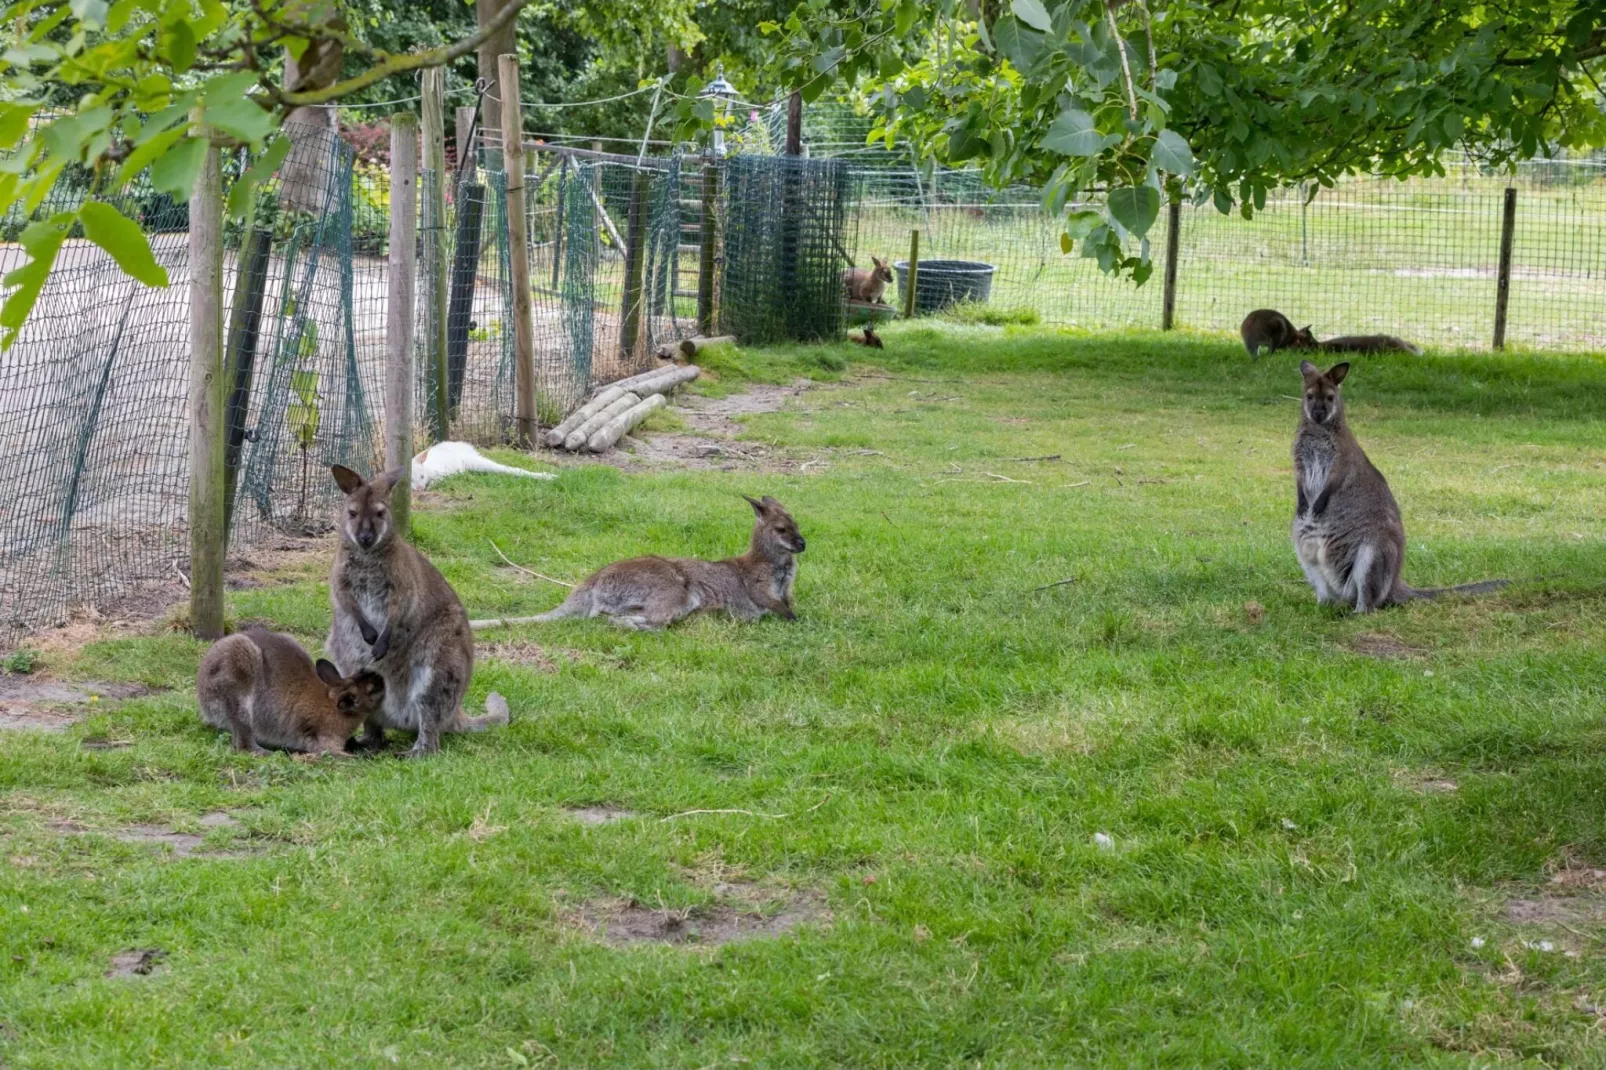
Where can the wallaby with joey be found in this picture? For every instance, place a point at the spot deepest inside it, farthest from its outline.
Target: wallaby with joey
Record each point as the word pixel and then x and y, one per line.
pixel 395 614
pixel 654 592
pixel 1348 534
pixel 1268 329
pixel 266 691
pixel 868 284
pixel 1368 343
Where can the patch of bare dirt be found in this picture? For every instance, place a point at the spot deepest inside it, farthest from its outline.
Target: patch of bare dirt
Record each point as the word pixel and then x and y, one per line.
pixel 51 705
pixel 177 844
pixel 1384 647
pixel 519 652
pixel 1427 782
pixel 600 815
pixel 740 912
pixel 1578 876
pixel 136 962
pixel 1557 910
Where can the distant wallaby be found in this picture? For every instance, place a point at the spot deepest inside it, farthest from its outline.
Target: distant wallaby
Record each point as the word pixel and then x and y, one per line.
pixel 1268 329
pixel 264 689
pixel 1368 343
pixel 868 284
pixel 396 615
pixel 653 592
pixel 868 338
pixel 1348 534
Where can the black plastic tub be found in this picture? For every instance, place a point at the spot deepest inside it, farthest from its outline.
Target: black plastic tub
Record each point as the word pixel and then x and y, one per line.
pixel 942 283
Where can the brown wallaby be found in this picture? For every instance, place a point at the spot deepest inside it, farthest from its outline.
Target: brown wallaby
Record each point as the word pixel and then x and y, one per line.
pixel 868 338
pixel 265 690
pixel 653 592
pixel 1368 343
pixel 1348 534
pixel 1268 329
pixel 868 284
pixel 396 615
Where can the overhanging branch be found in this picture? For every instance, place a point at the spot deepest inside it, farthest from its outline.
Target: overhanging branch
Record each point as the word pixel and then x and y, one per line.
pixel 409 61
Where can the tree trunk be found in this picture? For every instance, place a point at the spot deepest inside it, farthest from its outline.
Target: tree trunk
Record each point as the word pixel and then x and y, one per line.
pixel 304 175
pixel 504 42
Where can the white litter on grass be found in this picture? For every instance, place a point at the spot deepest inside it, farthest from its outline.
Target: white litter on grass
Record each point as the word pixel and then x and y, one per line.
pixel 1289 825
pixel 1477 943
pixel 451 458
pixel 1103 841
pixel 1539 945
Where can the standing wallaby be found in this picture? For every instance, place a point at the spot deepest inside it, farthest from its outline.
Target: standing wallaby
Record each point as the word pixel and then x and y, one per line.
pixel 265 690
pixel 653 592
pixel 1268 329
pixel 1368 343
pixel 396 615
pixel 1348 534
pixel 868 284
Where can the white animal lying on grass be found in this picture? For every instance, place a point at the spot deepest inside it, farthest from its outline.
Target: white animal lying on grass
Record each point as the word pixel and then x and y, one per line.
pixel 449 458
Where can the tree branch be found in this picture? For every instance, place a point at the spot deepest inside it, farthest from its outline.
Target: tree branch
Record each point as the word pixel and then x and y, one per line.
pixel 1126 65
pixel 409 61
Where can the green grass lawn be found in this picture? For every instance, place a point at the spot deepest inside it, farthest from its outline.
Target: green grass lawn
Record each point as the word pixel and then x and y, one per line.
pixel 1318 856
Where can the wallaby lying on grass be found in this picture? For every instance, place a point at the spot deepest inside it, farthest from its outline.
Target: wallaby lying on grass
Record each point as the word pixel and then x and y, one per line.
pixel 1268 329
pixel 1368 343
pixel 396 615
pixel 653 592
pixel 264 689
pixel 1348 534
pixel 868 284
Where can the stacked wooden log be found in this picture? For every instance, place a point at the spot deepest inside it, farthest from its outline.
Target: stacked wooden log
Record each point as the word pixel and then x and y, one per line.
pixel 605 419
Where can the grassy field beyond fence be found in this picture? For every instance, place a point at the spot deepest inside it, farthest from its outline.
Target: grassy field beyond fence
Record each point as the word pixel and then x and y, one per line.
pixel 1060 765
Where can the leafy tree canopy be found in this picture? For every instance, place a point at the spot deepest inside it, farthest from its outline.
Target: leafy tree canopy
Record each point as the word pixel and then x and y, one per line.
pixel 1226 98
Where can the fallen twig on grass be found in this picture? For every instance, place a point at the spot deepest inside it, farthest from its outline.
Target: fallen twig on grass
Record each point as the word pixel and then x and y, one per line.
pixel 750 813
pixel 1045 457
pixel 501 622
pixel 527 572
pixel 1065 486
pixel 904 378
pixel 1004 479
pixel 1056 583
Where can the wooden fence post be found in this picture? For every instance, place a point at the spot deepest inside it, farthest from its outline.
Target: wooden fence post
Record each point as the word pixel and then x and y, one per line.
pixel 463 135
pixel 518 241
pixel 1168 304
pixel 911 277
pixel 1502 292
pixel 208 535
pixel 630 313
pixel 707 246
pixel 434 249
pixel 400 272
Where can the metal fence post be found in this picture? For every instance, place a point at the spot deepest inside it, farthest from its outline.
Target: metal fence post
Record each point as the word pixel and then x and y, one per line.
pixel 1502 293
pixel 1173 231
pixel 518 242
pixel 401 268
pixel 208 536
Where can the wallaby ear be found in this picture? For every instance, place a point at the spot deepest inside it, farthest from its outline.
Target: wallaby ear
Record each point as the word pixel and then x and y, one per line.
pixel 347 480
pixel 328 673
pixel 758 506
pixel 386 482
pixel 1309 370
pixel 770 503
pixel 1336 373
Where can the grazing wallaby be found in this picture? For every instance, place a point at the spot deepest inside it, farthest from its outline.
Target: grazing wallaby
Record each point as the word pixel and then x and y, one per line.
pixel 868 284
pixel 1268 329
pixel 868 338
pixel 653 592
pixel 1368 343
pixel 265 690
pixel 397 616
pixel 1348 534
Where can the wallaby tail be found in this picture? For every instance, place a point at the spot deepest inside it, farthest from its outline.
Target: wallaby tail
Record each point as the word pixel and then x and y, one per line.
pixel 496 716
pixel 578 604
pixel 485 464
pixel 1482 587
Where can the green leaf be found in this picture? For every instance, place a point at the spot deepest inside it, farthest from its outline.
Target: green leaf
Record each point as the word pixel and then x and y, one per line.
pixel 122 239
pixel 240 117
pixel 1066 244
pixel 828 59
pixel 147 153
pixel 175 172
pixel 1033 14
pixel 1083 222
pixel 1171 153
pixel 1135 208
pixel 42 241
pixel 177 45
pixel 1073 134
pixel 904 20
pixel 1021 47
pixel 14 123
pixel 261 169
pixel 92 13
